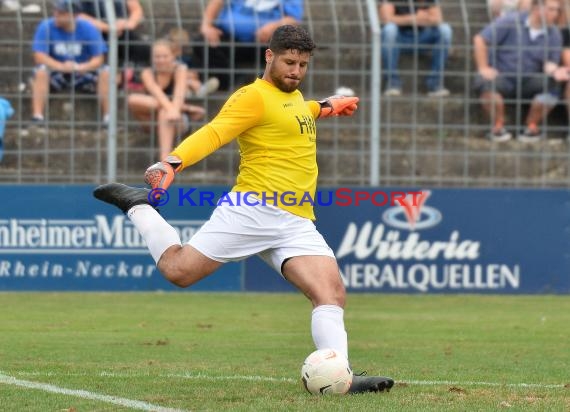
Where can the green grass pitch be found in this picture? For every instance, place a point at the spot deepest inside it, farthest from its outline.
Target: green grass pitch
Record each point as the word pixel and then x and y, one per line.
pixel 243 352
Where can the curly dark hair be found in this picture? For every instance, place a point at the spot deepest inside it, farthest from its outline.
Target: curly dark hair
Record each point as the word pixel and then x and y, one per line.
pixel 289 37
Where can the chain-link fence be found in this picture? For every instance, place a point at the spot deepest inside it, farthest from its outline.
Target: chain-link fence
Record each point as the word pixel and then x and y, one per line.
pixel 423 140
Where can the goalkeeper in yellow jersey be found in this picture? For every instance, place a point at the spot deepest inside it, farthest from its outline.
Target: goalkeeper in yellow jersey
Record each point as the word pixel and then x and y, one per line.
pixel 276 132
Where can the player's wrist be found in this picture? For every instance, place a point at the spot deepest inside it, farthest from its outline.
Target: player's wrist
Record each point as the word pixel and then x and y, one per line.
pixel 338 105
pixel 325 103
pixel 174 161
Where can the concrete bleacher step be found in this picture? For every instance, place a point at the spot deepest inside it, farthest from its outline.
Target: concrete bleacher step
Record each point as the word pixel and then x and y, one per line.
pixel 66 110
pixel 423 140
pixel 445 162
pixel 431 161
pixel 16 34
pixel 47 153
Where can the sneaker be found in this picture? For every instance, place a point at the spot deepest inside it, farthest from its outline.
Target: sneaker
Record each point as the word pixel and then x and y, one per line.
pixel 11 5
pixel 529 135
pixel 122 196
pixel 38 125
pixel 499 135
pixel 210 86
pixel 362 383
pixel 439 92
pixel 392 92
pixel 31 9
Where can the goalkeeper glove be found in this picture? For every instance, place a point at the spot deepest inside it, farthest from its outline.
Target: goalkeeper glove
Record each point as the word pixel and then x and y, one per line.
pixel 161 174
pixel 338 106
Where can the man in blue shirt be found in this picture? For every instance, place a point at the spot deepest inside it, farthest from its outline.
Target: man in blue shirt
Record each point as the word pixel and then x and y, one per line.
pixel 250 24
pixel 69 52
pixel 517 57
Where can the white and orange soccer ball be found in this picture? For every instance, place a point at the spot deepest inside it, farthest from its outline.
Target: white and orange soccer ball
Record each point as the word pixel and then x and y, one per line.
pixel 326 371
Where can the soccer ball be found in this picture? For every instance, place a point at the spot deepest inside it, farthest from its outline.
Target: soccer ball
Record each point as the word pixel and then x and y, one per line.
pixel 326 371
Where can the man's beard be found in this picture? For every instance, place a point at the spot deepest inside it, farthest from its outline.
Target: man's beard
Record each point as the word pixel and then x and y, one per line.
pixel 281 84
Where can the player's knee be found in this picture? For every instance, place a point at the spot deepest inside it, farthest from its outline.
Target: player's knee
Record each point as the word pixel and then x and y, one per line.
pixel 179 279
pixel 179 276
pixel 176 275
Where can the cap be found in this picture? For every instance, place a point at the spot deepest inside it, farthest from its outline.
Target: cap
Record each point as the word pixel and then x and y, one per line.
pixel 71 6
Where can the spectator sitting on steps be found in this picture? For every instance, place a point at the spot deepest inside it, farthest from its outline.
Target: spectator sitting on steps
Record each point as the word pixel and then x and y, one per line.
pixel 517 56
pixel 69 53
pixel 235 33
pixel 165 84
pixel 180 40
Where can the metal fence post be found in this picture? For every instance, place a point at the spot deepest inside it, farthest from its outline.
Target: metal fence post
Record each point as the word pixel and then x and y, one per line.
pixel 375 85
pixel 113 64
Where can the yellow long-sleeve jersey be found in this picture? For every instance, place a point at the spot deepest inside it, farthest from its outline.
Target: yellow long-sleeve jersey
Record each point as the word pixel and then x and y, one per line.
pixel 276 134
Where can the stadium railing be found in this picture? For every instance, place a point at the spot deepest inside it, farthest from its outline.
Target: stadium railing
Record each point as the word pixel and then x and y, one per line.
pixel 421 141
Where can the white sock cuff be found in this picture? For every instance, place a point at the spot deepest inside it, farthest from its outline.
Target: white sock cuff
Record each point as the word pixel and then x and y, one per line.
pixel 156 232
pixel 142 206
pixel 327 328
pixel 329 309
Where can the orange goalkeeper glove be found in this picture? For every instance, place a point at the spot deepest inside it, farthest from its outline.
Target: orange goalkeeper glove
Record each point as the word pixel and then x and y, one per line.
pixel 338 106
pixel 161 174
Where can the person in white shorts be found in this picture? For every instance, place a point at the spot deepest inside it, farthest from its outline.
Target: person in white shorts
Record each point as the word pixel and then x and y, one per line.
pixel 276 132
pixel 275 236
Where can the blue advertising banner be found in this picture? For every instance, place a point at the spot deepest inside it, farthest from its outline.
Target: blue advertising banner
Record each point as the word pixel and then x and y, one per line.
pixel 389 240
pixel 61 238
pixel 442 241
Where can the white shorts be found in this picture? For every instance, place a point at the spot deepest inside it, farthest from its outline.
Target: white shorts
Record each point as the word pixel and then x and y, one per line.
pixel 236 232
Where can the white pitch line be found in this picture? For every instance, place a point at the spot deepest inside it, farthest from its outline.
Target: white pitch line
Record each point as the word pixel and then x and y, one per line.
pixel 233 377
pixel 129 403
pixel 201 376
pixel 408 382
pixel 474 383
